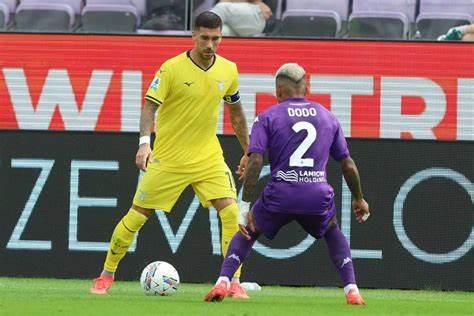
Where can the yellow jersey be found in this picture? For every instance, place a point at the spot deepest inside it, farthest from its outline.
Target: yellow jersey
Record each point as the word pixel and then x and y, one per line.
pixel 189 99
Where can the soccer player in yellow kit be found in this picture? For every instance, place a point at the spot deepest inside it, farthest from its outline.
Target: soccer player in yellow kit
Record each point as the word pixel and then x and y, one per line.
pixel 187 91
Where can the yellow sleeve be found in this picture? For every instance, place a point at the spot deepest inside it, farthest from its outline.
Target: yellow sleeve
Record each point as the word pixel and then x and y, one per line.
pixel 160 86
pixel 232 95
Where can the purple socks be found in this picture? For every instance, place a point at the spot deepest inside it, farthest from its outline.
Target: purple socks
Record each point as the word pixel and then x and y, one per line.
pixel 340 254
pixel 339 251
pixel 238 251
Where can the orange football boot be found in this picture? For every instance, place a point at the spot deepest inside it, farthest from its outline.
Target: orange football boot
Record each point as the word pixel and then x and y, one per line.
pixel 237 291
pixel 218 293
pixel 354 298
pixel 102 284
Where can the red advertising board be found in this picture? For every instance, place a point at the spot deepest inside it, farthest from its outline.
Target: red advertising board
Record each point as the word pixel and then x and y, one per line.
pixel 376 89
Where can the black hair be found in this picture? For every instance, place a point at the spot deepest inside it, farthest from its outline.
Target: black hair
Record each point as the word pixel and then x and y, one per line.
pixel 208 20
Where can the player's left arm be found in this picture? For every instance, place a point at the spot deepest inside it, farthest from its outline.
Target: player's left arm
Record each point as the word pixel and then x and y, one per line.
pixel 252 174
pixel 237 117
pixel 239 124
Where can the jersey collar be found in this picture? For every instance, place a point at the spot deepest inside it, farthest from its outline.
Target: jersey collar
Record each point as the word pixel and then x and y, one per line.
pixel 296 100
pixel 188 54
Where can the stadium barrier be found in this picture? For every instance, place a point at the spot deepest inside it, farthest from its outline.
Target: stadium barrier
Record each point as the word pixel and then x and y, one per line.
pixel 420 90
pixel 63 193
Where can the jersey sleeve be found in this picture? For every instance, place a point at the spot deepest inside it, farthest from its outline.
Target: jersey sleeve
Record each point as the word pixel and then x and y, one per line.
pixel 339 149
pixel 259 136
pixel 160 86
pixel 232 95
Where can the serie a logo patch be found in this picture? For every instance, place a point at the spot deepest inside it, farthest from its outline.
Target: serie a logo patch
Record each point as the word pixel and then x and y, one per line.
pixel 155 84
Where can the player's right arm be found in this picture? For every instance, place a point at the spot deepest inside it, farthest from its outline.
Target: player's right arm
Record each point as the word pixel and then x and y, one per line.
pixel 257 148
pixel 155 96
pixel 252 174
pixel 147 118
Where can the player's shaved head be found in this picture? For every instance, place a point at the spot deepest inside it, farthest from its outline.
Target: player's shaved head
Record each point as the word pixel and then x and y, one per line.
pixel 290 81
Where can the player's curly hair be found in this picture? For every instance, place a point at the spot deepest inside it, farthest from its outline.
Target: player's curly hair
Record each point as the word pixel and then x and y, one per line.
pixel 208 20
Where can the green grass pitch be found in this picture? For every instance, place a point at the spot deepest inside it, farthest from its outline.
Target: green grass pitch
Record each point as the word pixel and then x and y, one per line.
pixel 22 296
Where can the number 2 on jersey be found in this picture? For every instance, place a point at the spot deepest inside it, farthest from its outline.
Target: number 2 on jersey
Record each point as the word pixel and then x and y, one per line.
pixel 296 159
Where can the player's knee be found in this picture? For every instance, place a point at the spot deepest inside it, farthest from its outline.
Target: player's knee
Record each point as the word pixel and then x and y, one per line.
pixel 145 211
pixel 134 220
pixel 222 203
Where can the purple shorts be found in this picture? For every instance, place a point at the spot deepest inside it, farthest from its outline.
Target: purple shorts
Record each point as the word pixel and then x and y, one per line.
pixel 269 223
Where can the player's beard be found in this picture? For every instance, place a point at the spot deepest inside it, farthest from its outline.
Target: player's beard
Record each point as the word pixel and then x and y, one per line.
pixel 208 54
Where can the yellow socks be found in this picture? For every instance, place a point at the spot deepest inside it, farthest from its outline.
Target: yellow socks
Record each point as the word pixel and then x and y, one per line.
pixel 131 223
pixel 122 238
pixel 230 226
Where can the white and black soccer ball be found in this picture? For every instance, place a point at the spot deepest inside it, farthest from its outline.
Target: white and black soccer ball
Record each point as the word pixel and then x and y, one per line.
pixel 159 278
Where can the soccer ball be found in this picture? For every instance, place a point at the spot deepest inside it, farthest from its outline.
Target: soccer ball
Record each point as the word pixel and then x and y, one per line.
pixel 159 278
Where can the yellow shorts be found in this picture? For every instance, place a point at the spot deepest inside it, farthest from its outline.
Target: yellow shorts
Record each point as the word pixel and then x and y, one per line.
pixel 160 189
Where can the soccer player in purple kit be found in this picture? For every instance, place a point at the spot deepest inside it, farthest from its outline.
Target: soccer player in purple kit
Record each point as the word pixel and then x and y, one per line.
pixel 299 136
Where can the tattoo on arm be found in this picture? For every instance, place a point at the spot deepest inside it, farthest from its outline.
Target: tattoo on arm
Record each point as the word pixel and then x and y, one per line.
pixel 254 167
pixel 147 118
pixel 239 124
pixel 351 174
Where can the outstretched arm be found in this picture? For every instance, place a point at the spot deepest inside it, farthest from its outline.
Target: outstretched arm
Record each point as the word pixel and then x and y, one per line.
pixel 252 175
pixel 239 124
pixel 351 174
pixel 147 118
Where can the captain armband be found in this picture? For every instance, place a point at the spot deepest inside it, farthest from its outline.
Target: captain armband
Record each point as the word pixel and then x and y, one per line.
pixel 232 99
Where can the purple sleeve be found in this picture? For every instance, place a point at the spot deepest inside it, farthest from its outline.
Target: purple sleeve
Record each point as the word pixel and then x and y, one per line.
pixel 258 137
pixel 339 149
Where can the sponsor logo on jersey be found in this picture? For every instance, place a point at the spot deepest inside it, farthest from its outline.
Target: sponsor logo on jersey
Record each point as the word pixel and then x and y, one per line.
pixel 305 176
pixel 289 176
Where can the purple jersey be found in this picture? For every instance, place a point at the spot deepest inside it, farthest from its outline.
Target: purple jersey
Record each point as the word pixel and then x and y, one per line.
pixel 299 136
